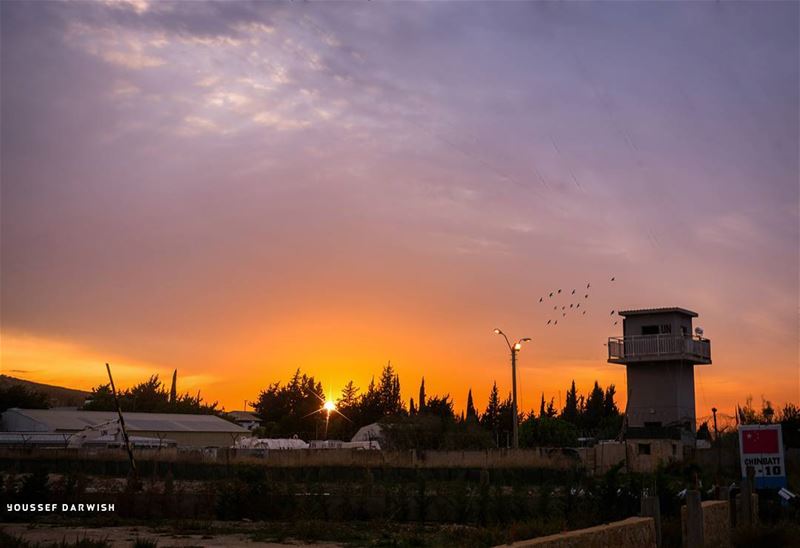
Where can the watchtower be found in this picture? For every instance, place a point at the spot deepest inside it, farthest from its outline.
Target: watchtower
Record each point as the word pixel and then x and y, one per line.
pixel 660 350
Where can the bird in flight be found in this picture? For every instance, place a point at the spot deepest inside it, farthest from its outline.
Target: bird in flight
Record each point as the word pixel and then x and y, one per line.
pixel 586 296
pixel 584 312
pixel 548 322
pixel 615 323
pixel 555 322
pixel 588 286
pixel 612 313
pixel 578 305
pixel 551 293
pixel 541 299
pixel 573 291
pixel 559 292
pixel 613 278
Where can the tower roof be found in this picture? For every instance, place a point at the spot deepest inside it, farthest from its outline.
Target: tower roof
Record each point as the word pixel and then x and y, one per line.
pixel 667 310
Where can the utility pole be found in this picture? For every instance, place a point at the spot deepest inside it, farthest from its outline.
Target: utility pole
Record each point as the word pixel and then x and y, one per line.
pixel 717 441
pixel 716 432
pixel 514 393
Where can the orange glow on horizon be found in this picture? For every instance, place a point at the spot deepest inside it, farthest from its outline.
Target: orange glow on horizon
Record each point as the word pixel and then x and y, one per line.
pixel 335 360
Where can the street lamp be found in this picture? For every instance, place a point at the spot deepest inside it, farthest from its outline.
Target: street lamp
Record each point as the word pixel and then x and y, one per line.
pixel 516 347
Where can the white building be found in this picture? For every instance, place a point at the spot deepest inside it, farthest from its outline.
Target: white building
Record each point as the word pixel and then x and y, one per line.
pixel 246 419
pixel 186 430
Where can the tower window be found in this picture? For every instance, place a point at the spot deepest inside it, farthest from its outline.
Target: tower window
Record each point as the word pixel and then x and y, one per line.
pixel 649 330
pixel 644 448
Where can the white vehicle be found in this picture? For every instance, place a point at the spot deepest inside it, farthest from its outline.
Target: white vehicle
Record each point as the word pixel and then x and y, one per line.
pixel 110 429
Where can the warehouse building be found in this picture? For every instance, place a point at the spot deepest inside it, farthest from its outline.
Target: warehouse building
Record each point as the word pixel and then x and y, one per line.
pixel 187 430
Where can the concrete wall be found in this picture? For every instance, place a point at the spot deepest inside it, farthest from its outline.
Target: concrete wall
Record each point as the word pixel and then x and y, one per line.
pixel 741 517
pixel 716 523
pixel 631 532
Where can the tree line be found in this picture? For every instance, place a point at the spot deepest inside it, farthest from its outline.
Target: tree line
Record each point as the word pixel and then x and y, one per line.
pixel 430 420
pixel 427 421
pixel 150 396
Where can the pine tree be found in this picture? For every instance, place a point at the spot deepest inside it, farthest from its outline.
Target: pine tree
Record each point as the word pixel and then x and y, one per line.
pixel 349 395
pixel 491 417
pixel 389 391
pixel 609 405
pixel 542 410
pixel 594 406
pixel 422 395
pixel 411 409
pixel 471 413
pixel 506 416
pixel 551 408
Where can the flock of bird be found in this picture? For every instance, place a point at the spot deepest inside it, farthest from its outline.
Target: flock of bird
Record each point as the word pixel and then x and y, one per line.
pixel 574 307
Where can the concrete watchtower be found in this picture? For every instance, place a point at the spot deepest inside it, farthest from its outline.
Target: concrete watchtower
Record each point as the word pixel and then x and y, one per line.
pixel 660 351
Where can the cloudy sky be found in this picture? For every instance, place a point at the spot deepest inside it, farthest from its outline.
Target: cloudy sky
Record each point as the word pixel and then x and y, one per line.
pixel 237 190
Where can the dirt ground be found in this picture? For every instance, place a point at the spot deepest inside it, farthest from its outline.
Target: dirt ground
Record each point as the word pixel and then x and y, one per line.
pixel 125 537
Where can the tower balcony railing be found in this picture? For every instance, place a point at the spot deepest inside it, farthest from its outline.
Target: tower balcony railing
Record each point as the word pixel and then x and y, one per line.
pixel 659 347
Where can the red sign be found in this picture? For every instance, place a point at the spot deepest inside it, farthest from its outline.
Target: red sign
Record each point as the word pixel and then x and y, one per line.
pixel 760 441
pixel 762 450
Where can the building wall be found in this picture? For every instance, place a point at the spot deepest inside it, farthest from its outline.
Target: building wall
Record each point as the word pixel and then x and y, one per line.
pixel 645 456
pixel 660 392
pixel 17 422
pixel 604 456
pixel 632 325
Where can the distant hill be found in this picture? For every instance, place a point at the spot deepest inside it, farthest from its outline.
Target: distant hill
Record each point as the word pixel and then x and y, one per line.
pixel 58 395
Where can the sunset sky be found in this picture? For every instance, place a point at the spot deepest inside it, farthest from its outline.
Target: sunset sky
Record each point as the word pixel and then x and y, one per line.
pixel 237 190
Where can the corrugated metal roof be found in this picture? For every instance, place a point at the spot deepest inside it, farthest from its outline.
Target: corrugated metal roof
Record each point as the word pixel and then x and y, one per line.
pixel 72 419
pixel 244 416
pixel 640 311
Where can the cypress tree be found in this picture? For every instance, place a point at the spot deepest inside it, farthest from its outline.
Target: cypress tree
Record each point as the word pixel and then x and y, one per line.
pixel 471 413
pixel 570 412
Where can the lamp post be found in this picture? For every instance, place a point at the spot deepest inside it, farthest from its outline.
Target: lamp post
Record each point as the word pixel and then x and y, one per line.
pixel 514 349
